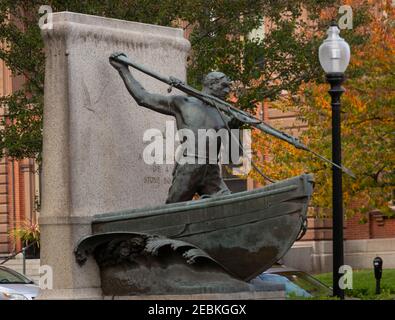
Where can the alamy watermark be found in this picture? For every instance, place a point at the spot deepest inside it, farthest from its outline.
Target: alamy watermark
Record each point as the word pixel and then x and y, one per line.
pixel 46 277
pixel 206 146
pixel 345 281
pixel 45 21
pixel 346 20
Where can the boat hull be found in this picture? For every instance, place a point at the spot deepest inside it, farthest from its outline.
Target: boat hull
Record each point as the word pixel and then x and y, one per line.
pixel 244 232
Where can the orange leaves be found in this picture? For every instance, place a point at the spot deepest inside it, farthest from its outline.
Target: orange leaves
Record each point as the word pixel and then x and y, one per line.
pixel 356 102
pixel 367 124
pixel 281 162
pixel 378 53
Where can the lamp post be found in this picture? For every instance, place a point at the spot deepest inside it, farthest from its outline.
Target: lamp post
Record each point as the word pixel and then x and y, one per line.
pixel 334 55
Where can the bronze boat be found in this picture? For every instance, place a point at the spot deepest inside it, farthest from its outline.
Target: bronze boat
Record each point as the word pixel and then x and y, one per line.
pixel 245 232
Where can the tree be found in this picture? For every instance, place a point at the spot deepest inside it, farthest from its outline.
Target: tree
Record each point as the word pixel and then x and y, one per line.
pixel 367 123
pixel 220 39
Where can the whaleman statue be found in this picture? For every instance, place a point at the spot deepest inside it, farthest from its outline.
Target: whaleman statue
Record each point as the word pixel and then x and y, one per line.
pixel 212 245
pixel 190 113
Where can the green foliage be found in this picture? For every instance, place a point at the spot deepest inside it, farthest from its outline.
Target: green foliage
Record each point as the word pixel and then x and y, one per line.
pixel 364 284
pixel 27 233
pixel 367 125
pixel 284 59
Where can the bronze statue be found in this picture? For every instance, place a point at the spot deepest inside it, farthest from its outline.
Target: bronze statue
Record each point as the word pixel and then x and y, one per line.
pixel 212 245
pixel 193 114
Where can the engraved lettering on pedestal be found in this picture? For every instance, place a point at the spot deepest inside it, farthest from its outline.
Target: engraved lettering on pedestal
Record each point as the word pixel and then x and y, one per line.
pixel 152 181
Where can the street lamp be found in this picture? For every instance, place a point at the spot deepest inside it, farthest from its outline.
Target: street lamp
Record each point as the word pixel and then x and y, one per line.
pixel 334 55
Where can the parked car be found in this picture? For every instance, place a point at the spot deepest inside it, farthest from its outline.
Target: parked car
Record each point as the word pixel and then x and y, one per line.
pixel 15 286
pixel 297 283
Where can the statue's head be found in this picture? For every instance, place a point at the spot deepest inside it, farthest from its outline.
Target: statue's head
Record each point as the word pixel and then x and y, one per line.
pixel 216 84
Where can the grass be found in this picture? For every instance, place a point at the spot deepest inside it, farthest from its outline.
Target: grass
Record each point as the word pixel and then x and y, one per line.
pixel 364 284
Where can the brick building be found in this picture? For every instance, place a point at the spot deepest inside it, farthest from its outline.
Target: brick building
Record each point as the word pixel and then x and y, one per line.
pixel 374 225
pixel 18 181
pixel 366 236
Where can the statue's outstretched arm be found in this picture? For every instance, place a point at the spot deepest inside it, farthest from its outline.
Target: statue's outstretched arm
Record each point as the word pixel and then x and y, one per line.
pixel 156 102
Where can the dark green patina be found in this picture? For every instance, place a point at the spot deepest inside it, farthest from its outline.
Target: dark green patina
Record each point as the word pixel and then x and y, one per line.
pixel 215 244
pixel 242 234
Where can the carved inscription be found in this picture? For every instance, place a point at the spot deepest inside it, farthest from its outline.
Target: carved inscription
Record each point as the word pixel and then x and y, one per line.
pixel 151 180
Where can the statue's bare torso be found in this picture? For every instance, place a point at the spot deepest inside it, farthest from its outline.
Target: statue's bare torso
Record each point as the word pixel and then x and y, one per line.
pixel 192 114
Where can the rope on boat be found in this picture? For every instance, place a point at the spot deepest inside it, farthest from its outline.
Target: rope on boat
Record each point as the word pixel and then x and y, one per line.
pixel 303 228
pixel 241 146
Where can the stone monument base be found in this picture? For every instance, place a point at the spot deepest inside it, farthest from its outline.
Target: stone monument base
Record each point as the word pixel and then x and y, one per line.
pixel 93 136
pixel 71 294
pixel 88 294
pixel 245 295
